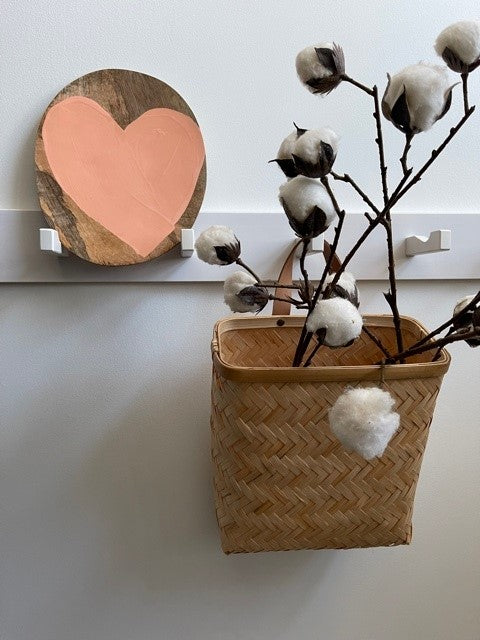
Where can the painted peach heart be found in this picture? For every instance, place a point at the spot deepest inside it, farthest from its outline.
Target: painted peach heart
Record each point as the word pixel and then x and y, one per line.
pixel 137 181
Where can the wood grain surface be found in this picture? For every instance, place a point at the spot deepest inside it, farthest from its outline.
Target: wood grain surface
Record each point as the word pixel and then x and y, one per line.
pixel 126 95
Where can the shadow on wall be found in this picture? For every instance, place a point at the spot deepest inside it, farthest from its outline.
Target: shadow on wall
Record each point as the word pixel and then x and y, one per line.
pixel 150 482
pixel 24 173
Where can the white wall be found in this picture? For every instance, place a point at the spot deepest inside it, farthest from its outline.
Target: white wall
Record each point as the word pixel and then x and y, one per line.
pixel 107 523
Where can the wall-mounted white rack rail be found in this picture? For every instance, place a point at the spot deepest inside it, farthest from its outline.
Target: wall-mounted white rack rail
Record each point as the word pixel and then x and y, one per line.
pixel 266 240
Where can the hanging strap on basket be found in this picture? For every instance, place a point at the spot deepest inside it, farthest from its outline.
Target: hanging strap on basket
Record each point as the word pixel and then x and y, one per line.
pixel 282 307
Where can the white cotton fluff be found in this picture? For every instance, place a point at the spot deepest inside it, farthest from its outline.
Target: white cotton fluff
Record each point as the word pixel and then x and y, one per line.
pixel 463 39
pixel 215 236
pixel 427 88
pixel 302 194
pixel 339 317
pixel 235 283
pixel 346 281
pixel 309 66
pixel 286 148
pixel 363 421
pixel 308 146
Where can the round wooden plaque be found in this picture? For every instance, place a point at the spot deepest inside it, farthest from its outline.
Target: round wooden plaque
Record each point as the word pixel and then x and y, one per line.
pixel 120 167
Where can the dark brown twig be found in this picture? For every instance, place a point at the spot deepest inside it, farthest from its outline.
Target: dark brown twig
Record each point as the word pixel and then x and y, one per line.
pixel 272 284
pixel 436 344
pixel 465 92
pixel 438 352
pixel 469 307
pixel 361 193
pixel 304 336
pixel 391 297
pixel 377 341
pixel 406 149
pixel 306 244
pixel 299 304
pixel 242 264
pixel 357 84
pixel 400 191
pixel 379 137
pixel 336 239
pixel 435 153
pixel 308 361
pixel 379 141
pixel 384 217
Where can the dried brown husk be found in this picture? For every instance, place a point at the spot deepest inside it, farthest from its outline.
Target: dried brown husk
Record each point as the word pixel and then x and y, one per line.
pixel 456 64
pixel 334 60
pixel 228 253
pixel 254 296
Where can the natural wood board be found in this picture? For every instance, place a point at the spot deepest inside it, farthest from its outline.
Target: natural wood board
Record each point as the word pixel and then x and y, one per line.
pixel 126 95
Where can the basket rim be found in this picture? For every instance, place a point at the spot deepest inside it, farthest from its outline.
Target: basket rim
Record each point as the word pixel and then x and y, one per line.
pixel 323 373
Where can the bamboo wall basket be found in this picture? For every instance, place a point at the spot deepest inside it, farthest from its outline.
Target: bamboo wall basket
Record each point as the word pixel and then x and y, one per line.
pixel 282 481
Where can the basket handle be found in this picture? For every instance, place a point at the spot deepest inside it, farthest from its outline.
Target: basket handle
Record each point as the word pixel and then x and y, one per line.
pixel 281 307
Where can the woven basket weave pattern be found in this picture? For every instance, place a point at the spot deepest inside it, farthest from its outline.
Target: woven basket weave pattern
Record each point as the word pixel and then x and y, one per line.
pixel 282 480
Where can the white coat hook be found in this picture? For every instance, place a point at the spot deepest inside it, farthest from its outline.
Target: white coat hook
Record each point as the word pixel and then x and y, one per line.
pixel 439 240
pixel 49 241
pixel 315 246
pixel 188 243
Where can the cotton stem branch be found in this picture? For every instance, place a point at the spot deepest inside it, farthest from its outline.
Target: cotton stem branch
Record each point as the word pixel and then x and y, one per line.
pixel 379 141
pixel 336 240
pixel 297 303
pixel 436 344
pixel 305 337
pixel 306 244
pixel 308 361
pixel 347 178
pixel 242 264
pixel 373 92
pixel 465 91
pixel 357 84
pixel 469 307
pixel 302 345
pixel 272 284
pixel 435 153
pixel 401 189
pixel 391 297
pixel 406 149
pixel 377 341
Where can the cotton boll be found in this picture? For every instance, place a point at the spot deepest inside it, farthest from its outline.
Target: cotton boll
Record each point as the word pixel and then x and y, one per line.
pixel 338 319
pixel 284 157
pixel 308 144
pixel 320 68
pixel 416 97
pixel 461 304
pixel 469 320
pixel 346 287
pixel 459 46
pixel 314 152
pixel 363 421
pixel 308 206
pixel 218 245
pixel 286 148
pixel 242 293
